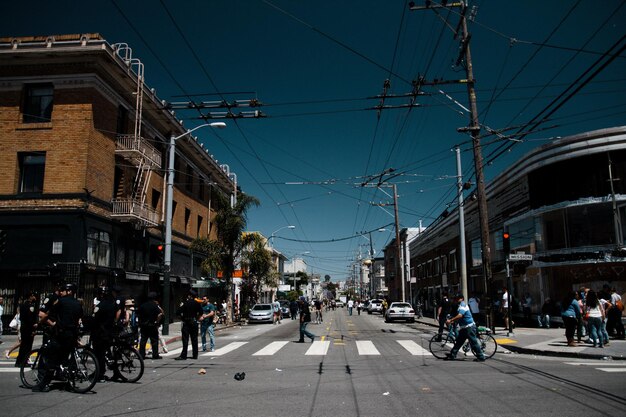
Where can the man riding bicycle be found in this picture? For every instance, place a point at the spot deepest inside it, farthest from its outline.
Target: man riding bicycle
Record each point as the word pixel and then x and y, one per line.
pixel 64 333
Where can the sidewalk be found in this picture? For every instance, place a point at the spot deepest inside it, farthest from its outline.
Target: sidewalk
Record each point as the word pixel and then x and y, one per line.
pixel 550 342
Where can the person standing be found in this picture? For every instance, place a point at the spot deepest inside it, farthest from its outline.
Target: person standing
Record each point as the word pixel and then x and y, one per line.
pixel 595 313
pixel 28 325
pixel 68 312
pixel 276 311
pixel 189 311
pixel 102 327
pixel 149 315
pixel 207 324
pixel 614 321
pixel 570 312
pixel 442 311
pixel 504 308
pixel 305 318
pixel 293 309
pixel 467 330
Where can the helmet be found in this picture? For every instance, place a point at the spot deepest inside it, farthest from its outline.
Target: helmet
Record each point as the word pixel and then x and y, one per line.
pixel 70 287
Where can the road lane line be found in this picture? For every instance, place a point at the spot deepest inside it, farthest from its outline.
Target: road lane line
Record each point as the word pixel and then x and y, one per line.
pixel 366 347
pixel 413 348
pixel 612 369
pixel 319 348
pixel 271 349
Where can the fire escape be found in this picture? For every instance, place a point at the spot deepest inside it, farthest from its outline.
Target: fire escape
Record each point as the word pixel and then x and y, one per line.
pixel 136 150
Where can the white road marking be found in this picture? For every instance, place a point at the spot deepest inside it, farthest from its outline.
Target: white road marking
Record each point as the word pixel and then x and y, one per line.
pixel 270 349
pixel 366 347
pixel 226 349
pixel 603 363
pixel 318 347
pixel 414 348
pixel 612 369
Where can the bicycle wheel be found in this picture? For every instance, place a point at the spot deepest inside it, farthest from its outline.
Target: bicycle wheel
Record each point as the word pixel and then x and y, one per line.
pixel 440 345
pixel 488 344
pixel 32 372
pixel 128 364
pixel 83 370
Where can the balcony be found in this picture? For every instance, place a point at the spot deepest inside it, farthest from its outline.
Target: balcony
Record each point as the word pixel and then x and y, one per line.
pixel 131 210
pixel 137 149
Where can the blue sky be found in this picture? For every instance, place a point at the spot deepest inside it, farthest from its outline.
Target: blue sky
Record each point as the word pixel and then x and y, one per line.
pixel 316 67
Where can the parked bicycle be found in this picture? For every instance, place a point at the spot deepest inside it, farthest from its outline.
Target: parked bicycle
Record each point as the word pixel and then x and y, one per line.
pixel 79 371
pixel 124 359
pixel 441 344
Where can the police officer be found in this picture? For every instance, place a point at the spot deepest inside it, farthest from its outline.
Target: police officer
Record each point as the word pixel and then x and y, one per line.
pixel 29 320
pixel 190 311
pixel 149 315
pixel 45 317
pixel 67 311
pixel 103 328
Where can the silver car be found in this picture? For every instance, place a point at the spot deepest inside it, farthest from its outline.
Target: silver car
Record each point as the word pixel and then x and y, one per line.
pixel 261 313
pixel 400 311
pixel 375 306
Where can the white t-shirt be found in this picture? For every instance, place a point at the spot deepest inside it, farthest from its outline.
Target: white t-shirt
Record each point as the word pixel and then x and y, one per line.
pixel 350 304
pixel 505 300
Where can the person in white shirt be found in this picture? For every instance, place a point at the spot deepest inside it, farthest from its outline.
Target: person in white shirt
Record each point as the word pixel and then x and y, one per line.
pixel 504 307
pixel 350 307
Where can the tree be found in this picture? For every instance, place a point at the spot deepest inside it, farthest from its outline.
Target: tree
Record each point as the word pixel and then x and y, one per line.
pixel 220 254
pixel 257 266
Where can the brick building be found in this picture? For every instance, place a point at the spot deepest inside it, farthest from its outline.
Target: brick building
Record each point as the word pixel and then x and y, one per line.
pixel 83 150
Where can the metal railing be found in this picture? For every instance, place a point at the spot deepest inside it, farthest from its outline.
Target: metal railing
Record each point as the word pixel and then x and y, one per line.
pixel 131 209
pixel 137 148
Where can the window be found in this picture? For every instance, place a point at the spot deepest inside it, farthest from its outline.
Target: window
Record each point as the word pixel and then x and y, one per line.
pixel 187 217
pixel 189 179
pixel 452 261
pixel 32 168
pixel 156 196
pixel 122 120
pixel 37 103
pixel 201 190
pixel 477 257
pixel 200 220
pixel 98 248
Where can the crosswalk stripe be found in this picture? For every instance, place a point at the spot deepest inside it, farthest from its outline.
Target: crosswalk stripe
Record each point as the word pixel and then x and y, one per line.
pixel 9 370
pixel 226 349
pixel 612 369
pixel 366 347
pixel 593 364
pixel 270 349
pixel 318 347
pixel 413 348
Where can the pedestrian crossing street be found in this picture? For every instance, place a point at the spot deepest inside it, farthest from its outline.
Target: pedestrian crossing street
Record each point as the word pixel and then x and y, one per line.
pixel 317 348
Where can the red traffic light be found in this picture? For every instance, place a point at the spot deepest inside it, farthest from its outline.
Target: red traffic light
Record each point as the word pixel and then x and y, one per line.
pixel 160 247
pixel 506 235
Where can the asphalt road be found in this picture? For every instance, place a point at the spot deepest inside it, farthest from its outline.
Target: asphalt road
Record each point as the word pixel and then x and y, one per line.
pixel 358 366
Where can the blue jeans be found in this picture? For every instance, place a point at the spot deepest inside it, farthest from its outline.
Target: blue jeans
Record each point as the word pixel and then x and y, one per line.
pixel 305 332
pixel 595 330
pixel 464 334
pixel 204 326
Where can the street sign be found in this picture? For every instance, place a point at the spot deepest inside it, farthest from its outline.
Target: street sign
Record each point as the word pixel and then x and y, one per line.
pixel 520 257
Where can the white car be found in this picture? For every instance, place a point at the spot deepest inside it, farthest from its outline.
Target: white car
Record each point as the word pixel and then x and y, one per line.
pixel 375 306
pixel 400 311
pixel 261 313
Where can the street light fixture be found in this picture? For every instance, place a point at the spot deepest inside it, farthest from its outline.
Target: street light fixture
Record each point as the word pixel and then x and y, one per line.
pixel 276 231
pixel 167 256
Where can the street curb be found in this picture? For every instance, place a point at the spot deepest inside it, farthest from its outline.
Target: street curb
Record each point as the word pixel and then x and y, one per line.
pixel 575 355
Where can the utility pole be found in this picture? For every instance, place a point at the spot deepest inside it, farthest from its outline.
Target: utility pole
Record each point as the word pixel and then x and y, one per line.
pixel 462 260
pixel 465 57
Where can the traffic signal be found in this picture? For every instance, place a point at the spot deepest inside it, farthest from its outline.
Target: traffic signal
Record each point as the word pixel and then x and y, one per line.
pixel 161 253
pixel 157 253
pixel 506 243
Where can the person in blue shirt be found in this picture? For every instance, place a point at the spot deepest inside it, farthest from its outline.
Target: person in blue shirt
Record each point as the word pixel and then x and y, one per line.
pixel 467 330
pixel 571 316
pixel 207 323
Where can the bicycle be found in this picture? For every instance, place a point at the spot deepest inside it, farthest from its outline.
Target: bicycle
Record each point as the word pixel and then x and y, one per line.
pixel 440 345
pixel 124 359
pixel 80 370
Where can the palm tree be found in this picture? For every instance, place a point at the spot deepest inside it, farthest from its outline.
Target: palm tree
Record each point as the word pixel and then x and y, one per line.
pixel 220 254
pixel 257 266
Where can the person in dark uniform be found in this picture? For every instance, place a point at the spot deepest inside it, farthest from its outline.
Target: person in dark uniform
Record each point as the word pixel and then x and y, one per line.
pixel 45 318
pixel 120 302
pixel 29 319
pixel 190 311
pixel 149 316
pixel 103 328
pixel 68 311
pixel 443 310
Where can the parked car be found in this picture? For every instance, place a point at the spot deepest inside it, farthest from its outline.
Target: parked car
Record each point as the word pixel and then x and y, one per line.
pixel 400 311
pixel 375 306
pixel 339 303
pixel 284 308
pixel 261 313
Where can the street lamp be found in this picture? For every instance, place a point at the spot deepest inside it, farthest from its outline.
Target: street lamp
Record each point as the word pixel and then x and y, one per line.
pixel 293 263
pixel 276 231
pixel 167 256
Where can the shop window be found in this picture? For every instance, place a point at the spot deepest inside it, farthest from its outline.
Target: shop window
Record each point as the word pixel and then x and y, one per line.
pixel 477 259
pixel 32 169
pixel 37 107
pixel 98 248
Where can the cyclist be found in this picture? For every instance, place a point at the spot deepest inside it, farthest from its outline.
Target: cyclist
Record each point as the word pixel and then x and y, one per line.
pixel 103 327
pixel 467 330
pixel 318 312
pixel 68 311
